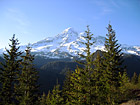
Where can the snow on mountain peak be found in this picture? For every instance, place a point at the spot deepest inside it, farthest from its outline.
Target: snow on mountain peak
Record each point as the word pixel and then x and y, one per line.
pixel 68 44
pixel 100 40
pixel 69 30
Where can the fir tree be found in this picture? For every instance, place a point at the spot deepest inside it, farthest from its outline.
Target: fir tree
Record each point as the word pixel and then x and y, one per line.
pixel 75 94
pixel 134 79
pixel 55 98
pixel 10 72
pixel 139 80
pixel 28 88
pixel 43 99
pixel 86 74
pixel 48 99
pixel 112 65
pixel 82 80
pixel 123 89
pixel 100 82
pixel 67 86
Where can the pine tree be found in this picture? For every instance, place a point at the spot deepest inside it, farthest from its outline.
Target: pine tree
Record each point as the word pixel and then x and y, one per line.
pixel 43 99
pixel 86 74
pixel 28 88
pixel 100 82
pixel 76 93
pixel 112 65
pixel 67 86
pixel 134 79
pixel 55 98
pixel 82 80
pixel 48 99
pixel 139 80
pixel 124 92
pixel 10 72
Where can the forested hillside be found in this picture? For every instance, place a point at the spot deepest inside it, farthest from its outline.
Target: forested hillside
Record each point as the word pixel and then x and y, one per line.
pixel 101 78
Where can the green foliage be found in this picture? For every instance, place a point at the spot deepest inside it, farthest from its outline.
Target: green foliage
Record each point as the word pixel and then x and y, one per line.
pixel 82 83
pixel 43 100
pixel 134 79
pixel 48 99
pixel 100 81
pixel 55 98
pixel 112 65
pixel 123 89
pixel 9 72
pixel 28 88
pixel 88 43
pixel 86 74
pixel 139 81
pixel 67 86
pixel 78 91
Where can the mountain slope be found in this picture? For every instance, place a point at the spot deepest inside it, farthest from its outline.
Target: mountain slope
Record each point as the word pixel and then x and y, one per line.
pixel 53 69
pixel 68 44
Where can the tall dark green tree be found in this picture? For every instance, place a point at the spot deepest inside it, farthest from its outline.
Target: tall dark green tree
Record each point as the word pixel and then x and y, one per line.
pixel 28 87
pixel 112 65
pixel 43 100
pixel 82 80
pixel 134 79
pixel 55 97
pixel 67 86
pixel 48 98
pixel 139 80
pixel 123 89
pixel 100 83
pixel 9 72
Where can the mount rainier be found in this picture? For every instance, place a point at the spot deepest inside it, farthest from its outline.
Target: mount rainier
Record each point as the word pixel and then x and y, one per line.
pixel 68 44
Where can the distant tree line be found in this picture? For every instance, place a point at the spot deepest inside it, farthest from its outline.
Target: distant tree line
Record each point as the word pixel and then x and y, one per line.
pixel 99 81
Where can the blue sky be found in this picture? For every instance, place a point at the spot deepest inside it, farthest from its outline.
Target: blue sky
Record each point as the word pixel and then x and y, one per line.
pixel 34 20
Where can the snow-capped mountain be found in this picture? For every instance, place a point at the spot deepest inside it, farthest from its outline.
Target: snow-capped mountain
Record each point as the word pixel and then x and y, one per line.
pixel 68 44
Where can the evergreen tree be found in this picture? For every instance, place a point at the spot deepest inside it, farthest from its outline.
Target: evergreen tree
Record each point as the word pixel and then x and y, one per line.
pixel 124 92
pixel 10 72
pixel 67 86
pixel 55 98
pixel 82 80
pixel 100 82
pixel 112 65
pixel 76 94
pixel 139 80
pixel 28 88
pixel 134 79
pixel 86 74
pixel 43 100
pixel 48 99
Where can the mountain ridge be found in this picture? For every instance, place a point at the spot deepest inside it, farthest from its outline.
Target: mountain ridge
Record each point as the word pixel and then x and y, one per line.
pixel 67 44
